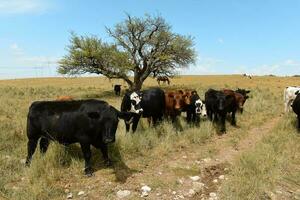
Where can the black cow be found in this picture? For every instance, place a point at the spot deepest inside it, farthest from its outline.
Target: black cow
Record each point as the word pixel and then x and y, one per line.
pixel 152 103
pixel 215 102
pixel 196 109
pixel 296 107
pixel 243 92
pixel 117 89
pixel 89 122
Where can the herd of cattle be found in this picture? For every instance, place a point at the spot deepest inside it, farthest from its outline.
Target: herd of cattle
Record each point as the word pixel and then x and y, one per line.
pixel 94 122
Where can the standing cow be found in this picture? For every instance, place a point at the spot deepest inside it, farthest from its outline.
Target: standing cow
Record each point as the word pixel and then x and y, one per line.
pixel 215 102
pixel 88 122
pixel 296 107
pixel 117 89
pixel 289 96
pixel 152 104
pixel 196 109
pixel 234 101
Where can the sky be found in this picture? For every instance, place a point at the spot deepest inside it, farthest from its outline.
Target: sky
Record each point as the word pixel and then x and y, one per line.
pixel 258 37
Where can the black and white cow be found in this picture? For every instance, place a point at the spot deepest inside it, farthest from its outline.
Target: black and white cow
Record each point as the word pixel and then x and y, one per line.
pixel 296 106
pixel 196 109
pixel 88 122
pixel 152 104
pixel 289 95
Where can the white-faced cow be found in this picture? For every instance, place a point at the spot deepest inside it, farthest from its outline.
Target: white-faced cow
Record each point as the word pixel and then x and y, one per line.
pixel 196 109
pixel 152 105
pixel 289 96
pixel 88 122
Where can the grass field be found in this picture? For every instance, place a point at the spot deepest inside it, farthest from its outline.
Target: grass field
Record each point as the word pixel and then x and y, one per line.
pixel 260 159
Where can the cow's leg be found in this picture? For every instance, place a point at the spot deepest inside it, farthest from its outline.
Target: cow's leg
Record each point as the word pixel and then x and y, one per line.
pixel 233 120
pixel 104 150
pixel 188 116
pixel 288 106
pixel 135 123
pixel 209 114
pixel 127 125
pixel 197 120
pixel 86 150
pixel 44 143
pixel 154 120
pixel 31 146
pixel 222 119
pixel 298 122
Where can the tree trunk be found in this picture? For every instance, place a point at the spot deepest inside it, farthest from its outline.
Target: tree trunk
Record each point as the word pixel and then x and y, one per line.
pixel 137 82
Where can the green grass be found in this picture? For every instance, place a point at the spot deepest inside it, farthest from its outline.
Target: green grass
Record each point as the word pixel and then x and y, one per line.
pixel 273 163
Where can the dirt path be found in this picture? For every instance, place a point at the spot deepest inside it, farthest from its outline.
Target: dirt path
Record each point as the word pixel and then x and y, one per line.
pixel 172 176
pixel 254 135
pixel 211 171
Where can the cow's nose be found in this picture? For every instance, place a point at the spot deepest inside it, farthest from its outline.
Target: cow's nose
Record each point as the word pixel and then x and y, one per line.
pixel 108 140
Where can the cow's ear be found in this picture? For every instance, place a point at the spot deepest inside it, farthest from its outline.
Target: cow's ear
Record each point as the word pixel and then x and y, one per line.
pixel 247 91
pixel 180 91
pixel 171 95
pixel 125 115
pixel 246 97
pixel 297 92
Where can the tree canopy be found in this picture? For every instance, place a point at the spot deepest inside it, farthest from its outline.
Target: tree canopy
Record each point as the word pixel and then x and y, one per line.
pixel 141 47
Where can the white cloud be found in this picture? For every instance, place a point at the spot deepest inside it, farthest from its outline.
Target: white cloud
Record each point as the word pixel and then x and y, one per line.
pixel 204 65
pixel 287 67
pixel 23 6
pixel 220 40
pixel 16 50
pixel 23 59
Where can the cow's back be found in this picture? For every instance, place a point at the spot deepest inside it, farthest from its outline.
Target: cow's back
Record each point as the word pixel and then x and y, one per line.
pixel 153 102
pixel 60 120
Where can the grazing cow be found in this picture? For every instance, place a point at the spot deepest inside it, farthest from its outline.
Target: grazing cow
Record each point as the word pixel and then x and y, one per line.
pixel 196 109
pixel 296 107
pixel 234 101
pixel 163 79
pixel 117 89
pixel 152 104
pixel 289 96
pixel 64 98
pixel 88 122
pixel 215 102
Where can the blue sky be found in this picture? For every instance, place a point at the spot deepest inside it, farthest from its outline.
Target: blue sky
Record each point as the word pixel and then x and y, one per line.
pixel 232 36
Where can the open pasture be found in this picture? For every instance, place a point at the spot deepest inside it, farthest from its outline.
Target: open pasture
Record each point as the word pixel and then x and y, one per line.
pixel 261 155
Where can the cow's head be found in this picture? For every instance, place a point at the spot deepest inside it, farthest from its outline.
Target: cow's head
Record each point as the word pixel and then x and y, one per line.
pixel 221 102
pixel 132 102
pixel 135 102
pixel 186 96
pixel 243 92
pixel 200 108
pixel 177 99
pixel 241 99
pixel 297 92
pixel 110 119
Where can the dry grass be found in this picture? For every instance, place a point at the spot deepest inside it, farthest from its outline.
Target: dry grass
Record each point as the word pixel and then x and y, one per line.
pixel 139 157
